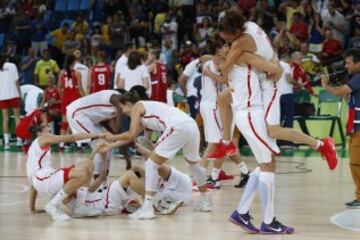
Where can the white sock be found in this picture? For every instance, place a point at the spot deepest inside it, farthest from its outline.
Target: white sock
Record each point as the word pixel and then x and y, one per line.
pixel 226 142
pixel 198 174
pixel 148 201
pixel 249 192
pixel 243 168
pixel 59 197
pixel 6 138
pixel 151 175
pixel 19 141
pixel 318 144
pixel 62 144
pixel 267 194
pixel 215 174
pixel 204 196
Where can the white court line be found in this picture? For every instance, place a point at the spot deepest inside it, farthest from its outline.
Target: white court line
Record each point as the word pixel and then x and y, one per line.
pixel 333 220
pixel 24 189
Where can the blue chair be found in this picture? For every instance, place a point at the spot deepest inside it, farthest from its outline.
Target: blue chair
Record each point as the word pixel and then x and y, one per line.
pixel 60 5
pixel 2 40
pixel 73 5
pixel 84 5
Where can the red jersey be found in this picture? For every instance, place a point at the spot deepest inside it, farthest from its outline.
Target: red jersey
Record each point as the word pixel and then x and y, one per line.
pixel 23 128
pixel 52 94
pixel 159 83
pixel 100 75
pixel 70 88
pixel 300 75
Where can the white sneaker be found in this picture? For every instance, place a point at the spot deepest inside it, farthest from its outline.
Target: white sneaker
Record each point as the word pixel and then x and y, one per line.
pixel 165 207
pixel 56 213
pixel 111 211
pixel 85 211
pixel 204 205
pixel 7 147
pixel 143 213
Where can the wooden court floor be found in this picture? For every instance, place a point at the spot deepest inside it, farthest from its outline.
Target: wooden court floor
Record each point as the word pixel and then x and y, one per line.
pixel 307 196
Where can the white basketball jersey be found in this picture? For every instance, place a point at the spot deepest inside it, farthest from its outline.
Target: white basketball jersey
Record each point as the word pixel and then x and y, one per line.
pixel 263 44
pixel 210 88
pixel 245 85
pixel 37 158
pixel 96 106
pixel 160 116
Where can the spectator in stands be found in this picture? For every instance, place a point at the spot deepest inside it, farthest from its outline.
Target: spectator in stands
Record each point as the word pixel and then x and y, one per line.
pixel 122 62
pixel 354 41
pixel 285 42
pixel 335 21
pixel 28 64
pixel 310 62
pixel 80 27
pixel 289 8
pixel 204 32
pixel 9 97
pixel 96 39
pixel 134 74
pixel 105 31
pixel 43 68
pixel 60 36
pixel 22 32
pixel 118 33
pixel 187 54
pixel 316 34
pixel 299 27
pixel 169 30
pixel 266 12
pixel 38 34
pixel 331 48
pixel 299 74
pixel 168 58
pixel 186 80
pixel 70 44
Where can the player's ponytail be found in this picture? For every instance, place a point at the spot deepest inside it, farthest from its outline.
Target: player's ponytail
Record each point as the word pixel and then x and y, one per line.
pixel 69 61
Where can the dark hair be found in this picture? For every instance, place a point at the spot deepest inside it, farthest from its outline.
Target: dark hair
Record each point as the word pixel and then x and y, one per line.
pixel 34 130
pixel 232 21
pixel 69 60
pixel 156 53
pixel 119 90
pixel 354 53
pixel 134 60
pixel 3 59
pixel 127 46
pixel 101 55
pixel 136 93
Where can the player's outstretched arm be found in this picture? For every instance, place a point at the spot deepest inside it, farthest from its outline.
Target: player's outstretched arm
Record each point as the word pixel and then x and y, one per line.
pixel 271 67
pixel 50 139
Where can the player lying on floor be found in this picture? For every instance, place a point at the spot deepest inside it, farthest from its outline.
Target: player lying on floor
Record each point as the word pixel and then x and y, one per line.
pixel 61 183
pixel 174 188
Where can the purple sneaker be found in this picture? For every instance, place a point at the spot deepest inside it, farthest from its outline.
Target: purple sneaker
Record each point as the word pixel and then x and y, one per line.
pixel 244 221
pixel 275 228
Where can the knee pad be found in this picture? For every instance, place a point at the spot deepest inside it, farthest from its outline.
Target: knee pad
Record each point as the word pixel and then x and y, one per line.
pixel 198 174
pixel 64 126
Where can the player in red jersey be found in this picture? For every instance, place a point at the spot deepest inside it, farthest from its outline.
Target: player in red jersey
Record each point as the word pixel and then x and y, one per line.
pixel 70 89
pixel 100 74
pixel 158 75
pixel 51 98
pixel 28 123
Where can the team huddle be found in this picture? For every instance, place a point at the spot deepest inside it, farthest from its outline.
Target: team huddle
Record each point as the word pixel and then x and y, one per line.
pixel 239 93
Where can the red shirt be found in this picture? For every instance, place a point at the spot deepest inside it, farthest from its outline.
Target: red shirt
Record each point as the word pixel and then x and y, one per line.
pixel 31 120
pixel 70 88
pixel 52 94
pixel 300 75
pixel 300 30
pixel 246 5
pixel 159 83
pixel 100 75
pixel 185 59
pixel 331 46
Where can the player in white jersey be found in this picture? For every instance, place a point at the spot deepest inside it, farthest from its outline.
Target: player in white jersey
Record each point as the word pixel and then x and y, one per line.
pixel 60 183
pixel 250 37
pixel 90 114
pixel 249 117
pixel 179 132
pixel 213 127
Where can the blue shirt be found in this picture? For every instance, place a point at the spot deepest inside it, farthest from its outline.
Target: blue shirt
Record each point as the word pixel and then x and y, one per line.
pixel 354 100
pixel 28 74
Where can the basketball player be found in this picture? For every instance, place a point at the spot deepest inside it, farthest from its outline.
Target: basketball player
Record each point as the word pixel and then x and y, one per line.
pixel 91 113
pixel 213 126
pixel 250 37
pixel 60 183
pixel 70 88
pixel 249 118
pixel 100 74
pixel 179 132
pixel 158 76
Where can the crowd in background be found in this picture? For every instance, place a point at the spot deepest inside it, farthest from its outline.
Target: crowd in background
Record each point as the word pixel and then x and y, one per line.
pixel 307 34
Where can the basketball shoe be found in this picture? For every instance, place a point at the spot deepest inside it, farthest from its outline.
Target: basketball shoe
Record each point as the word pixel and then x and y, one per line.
pixel 353 204
pixel 328 152
pixel 213 184
pixel 275 228
pixel 244 178
pixel 244 221
pixel 143 213
pixel 85 211
pixel 56 213
pixel 223 150
pixel 203 205
pixel 223 177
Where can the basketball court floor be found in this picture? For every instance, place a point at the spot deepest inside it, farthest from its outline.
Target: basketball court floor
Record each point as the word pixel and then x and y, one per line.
pixel 309 197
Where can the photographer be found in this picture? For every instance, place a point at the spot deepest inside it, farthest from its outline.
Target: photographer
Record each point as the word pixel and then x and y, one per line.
pixel 351 90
